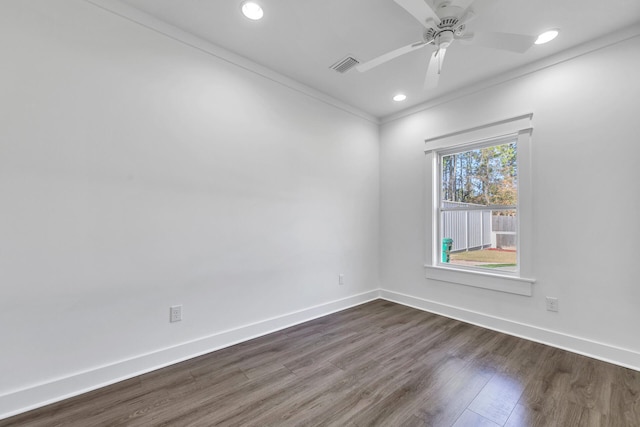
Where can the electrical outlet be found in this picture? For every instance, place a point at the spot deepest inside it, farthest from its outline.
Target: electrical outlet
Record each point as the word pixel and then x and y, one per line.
pixel 552 304
pixel 175 313
pixel 340 279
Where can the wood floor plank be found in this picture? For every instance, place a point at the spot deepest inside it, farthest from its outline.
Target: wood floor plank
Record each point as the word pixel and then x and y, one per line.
pixel 450 400
pixel 368 392
pixel 409 392
pixel 471 419
pixel 519 417
pixel 625 398
pixel 379 363
pixel 497 399
pixel 281 401
pixel 327 404
pixel 248 398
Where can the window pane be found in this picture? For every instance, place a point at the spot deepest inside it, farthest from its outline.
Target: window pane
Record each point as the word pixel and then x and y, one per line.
pixel 483 176
pixel 481 236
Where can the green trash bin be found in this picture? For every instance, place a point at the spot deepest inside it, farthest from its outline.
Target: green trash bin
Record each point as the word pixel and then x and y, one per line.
pixel 446 249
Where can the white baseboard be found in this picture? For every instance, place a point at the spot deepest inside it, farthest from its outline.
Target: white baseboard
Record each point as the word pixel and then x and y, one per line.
pixel 597 350
pixel 23 400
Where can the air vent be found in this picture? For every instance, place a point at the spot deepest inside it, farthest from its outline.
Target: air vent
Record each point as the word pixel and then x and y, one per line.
pixel 345 64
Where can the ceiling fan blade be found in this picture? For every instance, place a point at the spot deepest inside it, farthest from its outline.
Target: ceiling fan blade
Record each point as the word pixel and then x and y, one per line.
pixel 463 4
pixel 519 43
pixel 466 37
pixel 366 66
pixel 420 10
pixel 467 16
pixel 434 69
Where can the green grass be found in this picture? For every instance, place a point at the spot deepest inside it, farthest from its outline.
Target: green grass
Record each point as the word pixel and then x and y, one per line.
pixel 497 265
pixel 485 255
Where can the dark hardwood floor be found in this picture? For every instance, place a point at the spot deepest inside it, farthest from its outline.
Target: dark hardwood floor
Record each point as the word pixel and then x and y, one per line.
pixel 378 364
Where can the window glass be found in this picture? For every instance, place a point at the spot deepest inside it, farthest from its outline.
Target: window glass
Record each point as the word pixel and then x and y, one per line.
pixel 478 207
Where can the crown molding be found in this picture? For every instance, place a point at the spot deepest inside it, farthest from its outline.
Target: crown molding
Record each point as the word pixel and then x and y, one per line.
pixel 611 39
pixel 154 24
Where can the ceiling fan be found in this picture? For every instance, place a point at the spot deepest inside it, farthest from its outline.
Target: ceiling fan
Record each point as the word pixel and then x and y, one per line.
pixel 445 23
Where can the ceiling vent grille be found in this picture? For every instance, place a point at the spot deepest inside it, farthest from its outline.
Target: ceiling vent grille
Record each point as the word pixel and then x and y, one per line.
pixel 345 64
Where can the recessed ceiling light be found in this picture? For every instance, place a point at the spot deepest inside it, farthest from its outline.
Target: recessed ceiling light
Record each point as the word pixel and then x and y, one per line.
pixel 547 36
pixel 400 97
pixel 252 10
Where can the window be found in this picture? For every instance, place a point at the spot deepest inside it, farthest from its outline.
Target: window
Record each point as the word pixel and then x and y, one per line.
pixel 479 215
pixel 478 206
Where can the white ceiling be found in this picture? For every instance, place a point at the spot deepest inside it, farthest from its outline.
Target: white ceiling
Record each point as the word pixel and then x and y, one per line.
pixel 301 39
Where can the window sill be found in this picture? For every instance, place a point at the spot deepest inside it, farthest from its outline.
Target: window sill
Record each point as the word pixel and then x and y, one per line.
pixel 478 279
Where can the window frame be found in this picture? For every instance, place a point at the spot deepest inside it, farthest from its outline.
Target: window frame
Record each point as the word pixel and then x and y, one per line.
pixel 492 142
pixel 519 282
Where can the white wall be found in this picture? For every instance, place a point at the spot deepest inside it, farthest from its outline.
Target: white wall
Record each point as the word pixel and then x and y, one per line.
pixel 586 204
pixel 137 172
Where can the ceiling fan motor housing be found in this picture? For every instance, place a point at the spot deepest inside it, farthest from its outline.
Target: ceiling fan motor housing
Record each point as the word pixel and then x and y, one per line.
pixel 444 38
pixel 442 33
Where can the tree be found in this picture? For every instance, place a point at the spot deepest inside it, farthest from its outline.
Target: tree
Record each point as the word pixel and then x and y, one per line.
pixel 485 176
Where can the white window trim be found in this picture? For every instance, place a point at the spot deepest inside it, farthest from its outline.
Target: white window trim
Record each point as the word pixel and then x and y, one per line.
pixel 519 283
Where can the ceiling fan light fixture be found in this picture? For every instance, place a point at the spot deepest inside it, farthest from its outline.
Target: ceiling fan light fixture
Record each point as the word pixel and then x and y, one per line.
pixel 400 97
pixel 547 36
pixel 252 10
